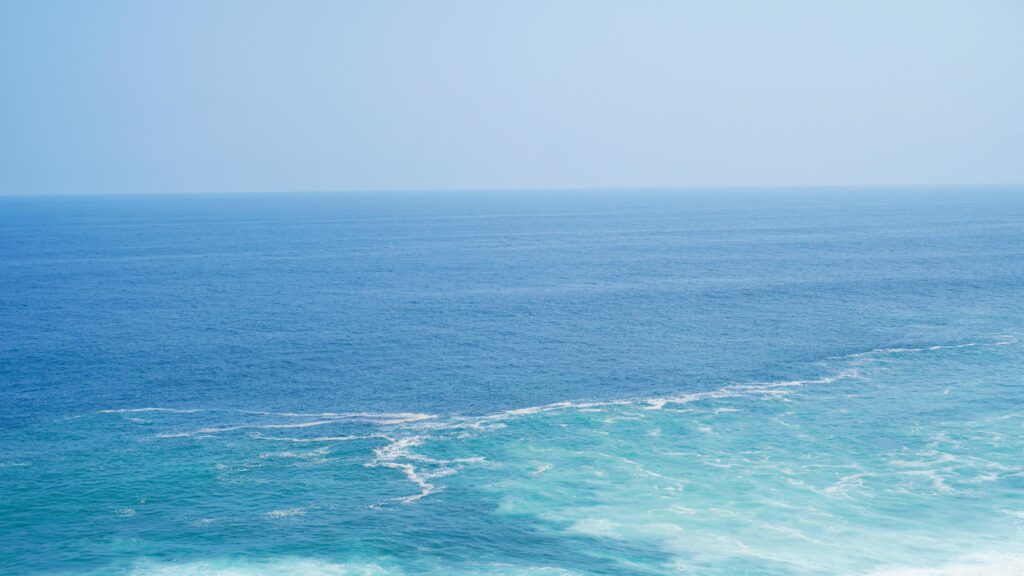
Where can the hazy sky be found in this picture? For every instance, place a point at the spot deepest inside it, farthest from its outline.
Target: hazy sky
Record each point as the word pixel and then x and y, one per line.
pixel 146 96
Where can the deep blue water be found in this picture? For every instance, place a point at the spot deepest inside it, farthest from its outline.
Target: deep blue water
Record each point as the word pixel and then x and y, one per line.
pixel 772 382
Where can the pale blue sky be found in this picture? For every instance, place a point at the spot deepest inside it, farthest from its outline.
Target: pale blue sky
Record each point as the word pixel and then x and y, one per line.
pixel 186 96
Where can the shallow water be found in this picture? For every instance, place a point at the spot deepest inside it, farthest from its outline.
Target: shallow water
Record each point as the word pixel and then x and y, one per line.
pixel 786 383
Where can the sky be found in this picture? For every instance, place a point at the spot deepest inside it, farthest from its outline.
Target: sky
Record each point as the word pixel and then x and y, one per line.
pixel 232 96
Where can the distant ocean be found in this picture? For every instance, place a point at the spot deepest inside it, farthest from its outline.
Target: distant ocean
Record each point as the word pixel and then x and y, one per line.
pixel 816 382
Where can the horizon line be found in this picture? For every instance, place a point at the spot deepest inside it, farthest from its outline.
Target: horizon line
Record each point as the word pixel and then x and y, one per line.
pixel 682 188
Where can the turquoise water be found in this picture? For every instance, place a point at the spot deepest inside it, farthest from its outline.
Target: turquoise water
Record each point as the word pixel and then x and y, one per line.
pixel 780 383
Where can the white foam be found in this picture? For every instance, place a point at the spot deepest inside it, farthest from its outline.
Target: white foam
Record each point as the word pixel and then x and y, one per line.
pixel 218 429
pixel 293 566
pixel 542 469
pixel 289 454
pixel 316 439
pixel 387 457
pixel 281 567
pixel 991 564
pixel 147 409
pixel 398 455
pixel 600 527
pixel 201 432
pixel 325 418
pixel 937 481
pixel 883 351
pixel 846 483
pixel 299 425
pixel 286 513
pixel 373 417
pixel 778 388
pixel 555 406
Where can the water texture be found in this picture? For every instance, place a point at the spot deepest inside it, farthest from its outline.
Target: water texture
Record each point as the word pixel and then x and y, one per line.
pixel 816 382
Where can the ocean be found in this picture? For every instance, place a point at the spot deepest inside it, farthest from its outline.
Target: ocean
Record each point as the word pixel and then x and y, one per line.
pixel 701 382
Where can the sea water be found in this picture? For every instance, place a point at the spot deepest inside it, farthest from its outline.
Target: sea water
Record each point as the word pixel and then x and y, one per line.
pixel 769 382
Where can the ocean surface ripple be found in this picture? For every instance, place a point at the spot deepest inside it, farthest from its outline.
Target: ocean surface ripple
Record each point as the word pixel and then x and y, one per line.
pixel 557 384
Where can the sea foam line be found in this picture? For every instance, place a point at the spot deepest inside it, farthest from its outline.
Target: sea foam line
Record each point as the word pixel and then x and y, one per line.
pixel 380 417
pixel 1003 341
pixel 730 391
pixel 149 409
pixel 387 457
pixel 398 454
pixel 216 430
pixel 375 417
pixel 259 436
pixel 390 419
pixel 775 388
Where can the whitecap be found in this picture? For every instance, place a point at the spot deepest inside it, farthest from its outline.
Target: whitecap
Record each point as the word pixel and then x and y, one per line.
pixel 286 513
